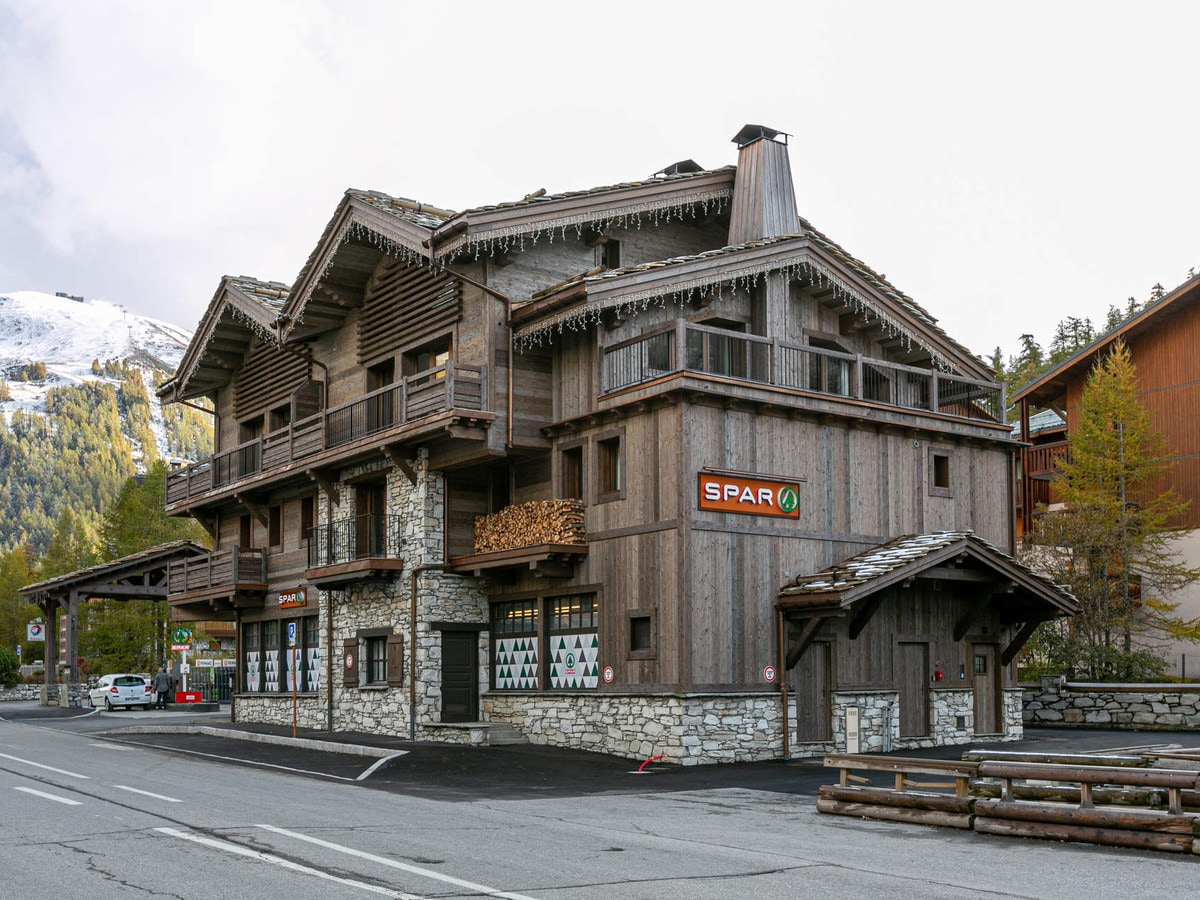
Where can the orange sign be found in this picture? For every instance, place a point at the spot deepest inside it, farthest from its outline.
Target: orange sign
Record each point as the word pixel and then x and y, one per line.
pixel 293 598
pixel 749 496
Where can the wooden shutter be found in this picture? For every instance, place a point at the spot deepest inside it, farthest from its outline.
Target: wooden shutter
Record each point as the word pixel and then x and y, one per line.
pixel 350 662
pixel 395 659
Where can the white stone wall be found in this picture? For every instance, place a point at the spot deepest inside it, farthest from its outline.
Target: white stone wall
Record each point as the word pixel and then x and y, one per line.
pixel 688 729
pixel 1136 706
pixel 878 720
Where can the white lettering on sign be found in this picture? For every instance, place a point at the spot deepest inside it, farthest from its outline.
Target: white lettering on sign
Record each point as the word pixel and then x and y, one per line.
pixel 716 491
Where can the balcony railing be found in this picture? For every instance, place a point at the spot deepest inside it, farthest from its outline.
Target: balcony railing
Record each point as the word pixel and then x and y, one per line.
pixel 758 360
pixel 1041 462
pixel 371 536
pixel 448 386
pixel 218 569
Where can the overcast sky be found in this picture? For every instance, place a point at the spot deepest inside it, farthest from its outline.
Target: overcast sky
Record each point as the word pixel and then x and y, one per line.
pixel 1005 165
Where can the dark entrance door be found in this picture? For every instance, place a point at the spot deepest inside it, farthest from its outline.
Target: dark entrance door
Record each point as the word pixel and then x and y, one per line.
pixel 912 675
pixel 985 663
pixel 810 683
pixel 460 676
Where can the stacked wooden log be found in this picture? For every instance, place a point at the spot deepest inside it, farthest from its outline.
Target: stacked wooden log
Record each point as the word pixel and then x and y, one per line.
pixel 528 524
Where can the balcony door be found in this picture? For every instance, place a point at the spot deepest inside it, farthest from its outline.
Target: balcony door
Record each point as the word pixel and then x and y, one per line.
pixel 370 501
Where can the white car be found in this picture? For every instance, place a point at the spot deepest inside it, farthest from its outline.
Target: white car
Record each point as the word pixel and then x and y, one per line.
pixel 115 691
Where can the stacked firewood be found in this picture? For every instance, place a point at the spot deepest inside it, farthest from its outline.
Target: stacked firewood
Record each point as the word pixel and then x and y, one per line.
pixel 536 522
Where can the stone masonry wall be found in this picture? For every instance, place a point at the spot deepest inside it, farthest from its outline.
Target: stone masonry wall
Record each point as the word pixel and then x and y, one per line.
pixel 441 597
pixel 689 729
pixel 1056 703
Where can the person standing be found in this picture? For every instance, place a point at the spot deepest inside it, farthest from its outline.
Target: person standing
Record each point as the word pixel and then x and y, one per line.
pixel 162 684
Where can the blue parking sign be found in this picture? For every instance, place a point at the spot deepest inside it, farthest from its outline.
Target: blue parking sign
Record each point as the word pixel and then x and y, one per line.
pixel 291 634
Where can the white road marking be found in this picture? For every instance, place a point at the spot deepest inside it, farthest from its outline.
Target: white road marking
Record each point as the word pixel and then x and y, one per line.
pixel 282 863
pixel 29 762
pixel 148 794
pixel 49 796
pixel 249 762
pixel 382 860
pixel 380 762
pixel 109 746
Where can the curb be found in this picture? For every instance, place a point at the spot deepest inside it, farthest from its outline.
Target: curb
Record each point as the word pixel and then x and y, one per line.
pixel 303 743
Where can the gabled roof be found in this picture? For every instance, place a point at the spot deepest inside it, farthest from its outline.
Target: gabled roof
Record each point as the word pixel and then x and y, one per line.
pixel 1034 596
pixel 241 309
pixel 418 232
pixel 145 569
pixel 809 253
pixel 1053 384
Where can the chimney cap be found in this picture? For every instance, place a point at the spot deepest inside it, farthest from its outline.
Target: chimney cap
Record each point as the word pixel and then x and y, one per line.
pixel 683 167
pixel 751 133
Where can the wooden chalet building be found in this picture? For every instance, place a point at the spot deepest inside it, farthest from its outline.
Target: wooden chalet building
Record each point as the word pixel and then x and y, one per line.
pixel 564 465
pixel 1161 339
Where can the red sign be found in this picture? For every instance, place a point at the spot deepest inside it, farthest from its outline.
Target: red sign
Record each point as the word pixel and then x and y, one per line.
pixel 187 697
pixel 749 496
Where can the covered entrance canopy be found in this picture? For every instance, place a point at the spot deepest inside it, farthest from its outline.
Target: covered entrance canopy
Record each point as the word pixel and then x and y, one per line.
pixel 855 588
pixel 139 576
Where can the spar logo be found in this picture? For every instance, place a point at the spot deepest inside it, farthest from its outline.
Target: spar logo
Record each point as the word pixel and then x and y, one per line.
pixel 749 495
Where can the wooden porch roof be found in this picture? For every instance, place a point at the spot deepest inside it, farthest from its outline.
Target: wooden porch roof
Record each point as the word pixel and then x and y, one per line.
pixel 946 555
pixel 139 575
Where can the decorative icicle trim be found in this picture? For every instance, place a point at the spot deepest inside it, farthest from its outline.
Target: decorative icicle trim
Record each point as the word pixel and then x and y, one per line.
pixel 653 213
pixel 716 286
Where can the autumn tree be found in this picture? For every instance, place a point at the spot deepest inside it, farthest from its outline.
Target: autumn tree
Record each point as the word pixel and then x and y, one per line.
pixel 1112 545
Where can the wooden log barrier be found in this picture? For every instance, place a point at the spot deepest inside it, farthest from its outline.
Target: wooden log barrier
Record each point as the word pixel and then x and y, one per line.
pixel 1114 837
pixel 1173 780
pixel 894 813
pixel 1062 759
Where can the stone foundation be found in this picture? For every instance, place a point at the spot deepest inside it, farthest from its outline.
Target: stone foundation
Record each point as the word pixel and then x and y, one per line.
pixel 1056 703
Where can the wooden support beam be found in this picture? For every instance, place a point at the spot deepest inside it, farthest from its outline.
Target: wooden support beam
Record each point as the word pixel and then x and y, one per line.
pixel 948 573
pixel 1011 651
pixel 326 485
pixel 807 633
pixel 867 610
pixel 259 512
pixel 400 463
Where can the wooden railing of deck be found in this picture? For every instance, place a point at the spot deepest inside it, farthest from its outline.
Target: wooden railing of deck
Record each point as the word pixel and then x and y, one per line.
pixel 1042 461
pixel 687 347
pixel 220 568
pixel 448 386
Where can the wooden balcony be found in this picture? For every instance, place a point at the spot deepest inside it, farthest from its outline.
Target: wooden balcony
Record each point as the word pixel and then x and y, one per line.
pixel 443 389
pixel 1041 462
pixel 355 550
pixel 683 347
pixel 218 582
pixel 543 537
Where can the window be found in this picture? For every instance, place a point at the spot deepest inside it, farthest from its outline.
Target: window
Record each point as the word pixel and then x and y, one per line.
pixel 245 533
pixel 546 641
pixel 828 374
pixel 939 473
pixel 307 507
pixel 610 254
pixel 252 657
pixel 609 467
pixel 641 633
pixel 981 663
pixel 426 357
pixel 275 526
pixel 572 473
pixel 268 661
pixel 281 417
pixel 375 659
pixel 271 661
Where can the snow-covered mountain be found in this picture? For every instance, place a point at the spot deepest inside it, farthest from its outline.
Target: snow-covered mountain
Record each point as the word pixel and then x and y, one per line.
pixel 67 334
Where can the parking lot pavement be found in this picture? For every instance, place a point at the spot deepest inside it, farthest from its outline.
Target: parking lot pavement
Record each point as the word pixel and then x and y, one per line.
pixel 455 772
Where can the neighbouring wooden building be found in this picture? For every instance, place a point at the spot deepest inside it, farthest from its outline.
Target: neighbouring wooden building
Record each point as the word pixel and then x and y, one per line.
pixel 1161 339
pixel 567 464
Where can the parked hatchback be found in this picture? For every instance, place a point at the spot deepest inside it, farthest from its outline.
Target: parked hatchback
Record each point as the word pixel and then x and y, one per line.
pixel 115 691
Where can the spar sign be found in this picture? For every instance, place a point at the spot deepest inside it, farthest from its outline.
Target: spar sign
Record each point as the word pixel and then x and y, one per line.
pixel 749 495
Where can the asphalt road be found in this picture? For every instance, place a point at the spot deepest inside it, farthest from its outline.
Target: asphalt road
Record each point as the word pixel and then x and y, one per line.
pixel 175 813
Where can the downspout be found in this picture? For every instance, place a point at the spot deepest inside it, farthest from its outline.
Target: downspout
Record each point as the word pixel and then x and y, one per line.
pixel 329 633
pixel 412 644
pixel 782 673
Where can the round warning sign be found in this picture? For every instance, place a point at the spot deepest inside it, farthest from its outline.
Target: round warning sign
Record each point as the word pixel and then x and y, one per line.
pixel 769 673
pixel 608 674
pixel 349 660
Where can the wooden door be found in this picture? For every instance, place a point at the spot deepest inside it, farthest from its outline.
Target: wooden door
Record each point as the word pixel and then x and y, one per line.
pixel 370 503
pixel 912 678
pixel 985 665
pixel 460 676
pixel 811 684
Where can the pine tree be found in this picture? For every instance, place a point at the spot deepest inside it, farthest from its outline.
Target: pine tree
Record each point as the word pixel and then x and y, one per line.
pixel 1111 545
